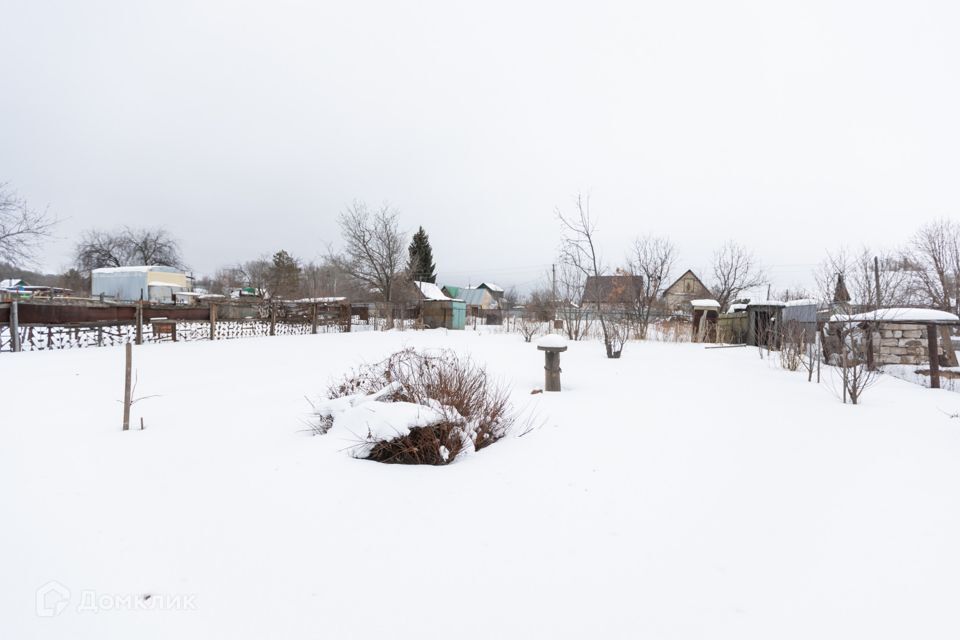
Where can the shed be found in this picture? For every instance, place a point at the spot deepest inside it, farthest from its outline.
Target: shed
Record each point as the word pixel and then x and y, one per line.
pixel 800 319
pixel 438 310
pixel 764 321
pixel 706 315
pixel 906 336
pixel 156 283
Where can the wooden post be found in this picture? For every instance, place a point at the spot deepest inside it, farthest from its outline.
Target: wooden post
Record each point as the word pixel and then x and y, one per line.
pixel 138 318
pixel 14 326
pixel 313 319
pixel 551 377
pixel 273 319
pixel 128 369
pixel 934 356
pixel 551 368
pixel 213 320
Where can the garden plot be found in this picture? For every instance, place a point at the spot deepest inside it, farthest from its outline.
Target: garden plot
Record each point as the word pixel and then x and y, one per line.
pixel 677 492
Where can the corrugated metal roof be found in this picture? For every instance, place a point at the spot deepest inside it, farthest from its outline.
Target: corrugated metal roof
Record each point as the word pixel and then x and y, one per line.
pixel 473 297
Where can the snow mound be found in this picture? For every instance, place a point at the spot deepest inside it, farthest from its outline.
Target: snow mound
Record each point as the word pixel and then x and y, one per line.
pixel 372 422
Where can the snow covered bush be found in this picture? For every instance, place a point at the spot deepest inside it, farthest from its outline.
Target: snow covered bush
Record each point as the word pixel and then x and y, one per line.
pixel 417 408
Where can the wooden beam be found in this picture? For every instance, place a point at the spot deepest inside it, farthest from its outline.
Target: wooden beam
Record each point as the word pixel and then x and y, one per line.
pixel 128 370
pixel 14 326
pixel 934 356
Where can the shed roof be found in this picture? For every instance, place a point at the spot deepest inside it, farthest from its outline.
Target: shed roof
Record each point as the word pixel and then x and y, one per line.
pixel 430 291
pixel 473 297
pixel 903 315
pixel 137 269
pixel 711 304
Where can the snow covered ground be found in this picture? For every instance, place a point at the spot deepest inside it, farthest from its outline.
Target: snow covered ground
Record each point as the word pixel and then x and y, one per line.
pixel 676 493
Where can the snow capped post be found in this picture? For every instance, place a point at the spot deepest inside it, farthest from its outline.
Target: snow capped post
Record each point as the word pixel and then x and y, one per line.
pixel 552 346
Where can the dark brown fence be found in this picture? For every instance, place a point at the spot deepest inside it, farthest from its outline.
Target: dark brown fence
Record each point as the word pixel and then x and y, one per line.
pixel 59 324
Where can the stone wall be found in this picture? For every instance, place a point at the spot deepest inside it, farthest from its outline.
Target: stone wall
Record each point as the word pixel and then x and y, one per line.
pixel 901 344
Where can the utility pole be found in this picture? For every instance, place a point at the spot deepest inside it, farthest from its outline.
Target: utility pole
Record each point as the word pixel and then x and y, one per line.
pixel 553 294
pixel 876 277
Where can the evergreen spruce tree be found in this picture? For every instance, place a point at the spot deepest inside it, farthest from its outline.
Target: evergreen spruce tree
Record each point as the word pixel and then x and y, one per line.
pixel 420 266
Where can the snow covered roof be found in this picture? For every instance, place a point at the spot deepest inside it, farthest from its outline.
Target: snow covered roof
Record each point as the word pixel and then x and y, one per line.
pixel 766 303
pixel 803 302
pixel 491 286
pixel 325 299
pixel 11 283
pixel 430 291
pixel 901 314
pixel 712 304
pixel 137 269
pixel 739 306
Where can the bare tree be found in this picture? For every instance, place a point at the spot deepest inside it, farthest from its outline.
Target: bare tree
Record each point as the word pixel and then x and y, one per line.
pixel 567 304
pixel 935 257
pixel 541 305
pixel 861 271
pixel 651 259
pixel 734 270
pixel 374 248
pixel 578 249
pixel 22 228
pixel 127 246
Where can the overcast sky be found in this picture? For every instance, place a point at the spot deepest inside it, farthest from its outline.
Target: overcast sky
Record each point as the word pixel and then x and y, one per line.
pixel 244 128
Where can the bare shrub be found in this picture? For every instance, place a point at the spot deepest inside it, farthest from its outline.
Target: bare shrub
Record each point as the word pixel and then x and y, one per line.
pixel 855 376
pixel 619 328
pixel 476 409
pixel 793 348
pixel 673 330
pixel 529 328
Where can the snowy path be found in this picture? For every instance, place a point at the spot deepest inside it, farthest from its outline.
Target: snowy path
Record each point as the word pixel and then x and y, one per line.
pixel 676 493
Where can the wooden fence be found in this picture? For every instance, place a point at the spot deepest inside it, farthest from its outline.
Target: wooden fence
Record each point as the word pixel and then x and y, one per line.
pixel 60 324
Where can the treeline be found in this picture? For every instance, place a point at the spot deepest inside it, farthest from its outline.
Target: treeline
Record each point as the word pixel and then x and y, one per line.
pixel 377 262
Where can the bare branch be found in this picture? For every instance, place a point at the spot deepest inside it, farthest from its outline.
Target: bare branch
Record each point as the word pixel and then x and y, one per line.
pixel 22 228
